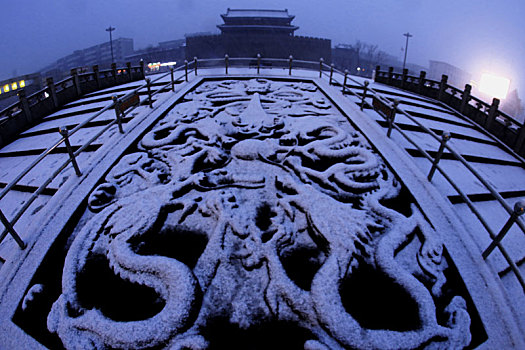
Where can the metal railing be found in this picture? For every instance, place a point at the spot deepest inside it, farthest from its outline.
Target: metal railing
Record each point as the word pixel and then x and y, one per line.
pixel 514 213
pixel 9 224
pixel 288 65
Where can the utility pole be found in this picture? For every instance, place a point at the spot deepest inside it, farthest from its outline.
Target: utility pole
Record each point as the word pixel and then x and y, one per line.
pixel 408 35
pixel 110 29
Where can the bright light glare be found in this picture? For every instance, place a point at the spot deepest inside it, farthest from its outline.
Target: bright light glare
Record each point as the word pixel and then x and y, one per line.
pixel 494 86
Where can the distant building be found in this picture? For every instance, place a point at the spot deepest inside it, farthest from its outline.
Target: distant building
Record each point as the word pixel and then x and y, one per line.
pixel 456 76
pixel 362 58
pixel 246 33
pixel 166 52
pixel 94 55
pixel 9 88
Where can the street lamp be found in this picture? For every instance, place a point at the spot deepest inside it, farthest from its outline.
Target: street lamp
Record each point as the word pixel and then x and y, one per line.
pixel 408 35
pixel 110 29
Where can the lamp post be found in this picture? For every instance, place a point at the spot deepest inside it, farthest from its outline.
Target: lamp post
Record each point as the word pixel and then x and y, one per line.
pixel 408 35
pixel 110 29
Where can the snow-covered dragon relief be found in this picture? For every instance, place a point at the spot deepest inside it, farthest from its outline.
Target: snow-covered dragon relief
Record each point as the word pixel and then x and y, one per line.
pixel 290 209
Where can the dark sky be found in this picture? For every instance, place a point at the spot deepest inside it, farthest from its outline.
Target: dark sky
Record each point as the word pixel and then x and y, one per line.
pixel 474 35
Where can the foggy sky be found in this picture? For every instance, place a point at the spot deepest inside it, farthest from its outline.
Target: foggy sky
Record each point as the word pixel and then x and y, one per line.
pixel 474 35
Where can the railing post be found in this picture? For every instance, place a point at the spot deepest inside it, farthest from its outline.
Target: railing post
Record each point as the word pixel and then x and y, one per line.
pixel 25 105
pixel 422 79
pixel 65 134
pixel 442 87
pixel 493 111
pixel 186 69
pixel 290 65
pixel 444 138
pixel 344 81
pixel 12 231
pixel 390 75
pixel 321 60
pixel 52 91
pixel 519 209
pixel 76 81
pixel 376 73
pixel 97 75
pixel 520 139
pixel 226 57
pixel 142 72
pixel 195 60
pixel 118 113
pixel 391 118
pixel 365 90
pixel 128 68
pixel 114 71
pixel 150 98
pixel 172 79
pixel 331 73
pixel 404 78
pixel 465 98
pixel 258 63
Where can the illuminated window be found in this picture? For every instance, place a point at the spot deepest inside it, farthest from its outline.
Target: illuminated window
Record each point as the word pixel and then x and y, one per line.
pixel 14 86
pixel 22 83
pixel 6 88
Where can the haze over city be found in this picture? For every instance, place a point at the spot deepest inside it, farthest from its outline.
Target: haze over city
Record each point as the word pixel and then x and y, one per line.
pixel 475 36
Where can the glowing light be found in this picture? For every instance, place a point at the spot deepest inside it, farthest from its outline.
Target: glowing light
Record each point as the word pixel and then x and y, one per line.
pixel 6 88
pixel 22 83
pixel 494 86
pixel 358 68
pixel 168 64
pixel 14 86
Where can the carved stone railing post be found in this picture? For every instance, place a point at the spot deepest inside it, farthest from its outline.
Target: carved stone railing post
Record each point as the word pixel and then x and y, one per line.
pixel 493 111
pixel 442 87
pixel 321 60
pixel 128 69
pixel 520 139
pixel 24 103
pixel 76 81
pixel 422 80
pixel 226 58
pixel 378 69
pixel 141 64
pixel 96 73
pixel 114 71
pixel 195 66
pixel 290 60
pixel 258 63
pixel 404 78
pixel 390 75
pixel 52 91
pixel 186 69
pixel 465 98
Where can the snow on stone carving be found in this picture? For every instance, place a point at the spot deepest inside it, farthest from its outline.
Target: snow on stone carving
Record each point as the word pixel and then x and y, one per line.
pixel 256 203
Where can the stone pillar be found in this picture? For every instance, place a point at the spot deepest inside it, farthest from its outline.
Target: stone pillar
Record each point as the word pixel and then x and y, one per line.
pixel 493 111
pixel 128 68
pixel 378 68
pixel 404 78
pixel 24 104
pixel 52 91
pixel 465 99
pixel 442 87
pixel 422 80
pixel 114 71
pixel 141 64
pixel 76 81
pixel 96 72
